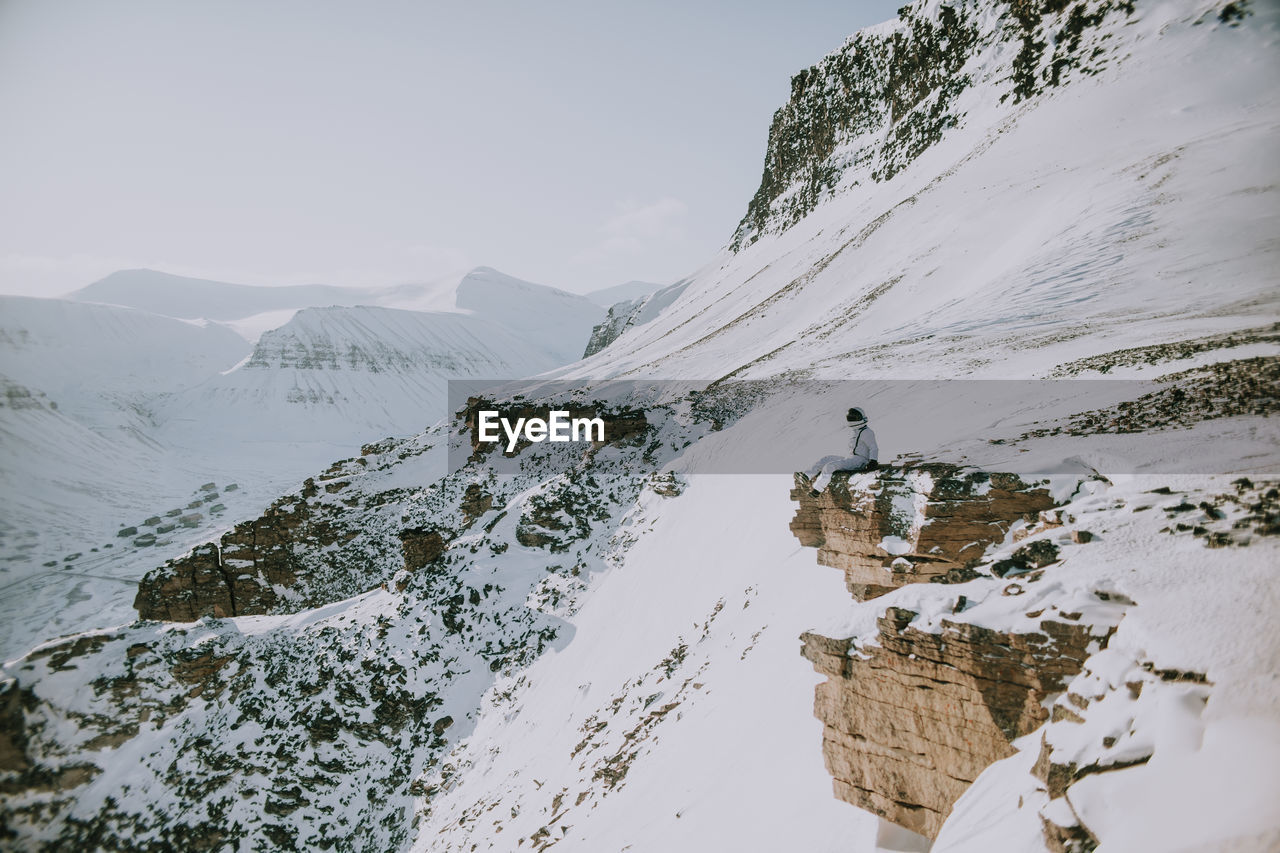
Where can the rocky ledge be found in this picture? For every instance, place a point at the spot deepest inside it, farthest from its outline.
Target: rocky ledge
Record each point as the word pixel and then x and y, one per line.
pixel 915 710
pixel 910 722
pixel 929 522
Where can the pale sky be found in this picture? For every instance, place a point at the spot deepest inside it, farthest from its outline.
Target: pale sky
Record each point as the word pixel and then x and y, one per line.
pixel 576 144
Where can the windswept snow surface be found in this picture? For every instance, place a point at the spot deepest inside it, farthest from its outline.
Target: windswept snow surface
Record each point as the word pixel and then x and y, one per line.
pixel 1130 208
pixel 683 664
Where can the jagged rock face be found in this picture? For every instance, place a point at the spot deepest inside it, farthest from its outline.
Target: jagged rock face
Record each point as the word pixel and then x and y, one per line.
pixel 617 321
pixel 475 502
pixel 636 312
pixel 421 547
pixel 912 715
pixel 909 525
pixel 869 109
pixel 909 723
pixel 242 573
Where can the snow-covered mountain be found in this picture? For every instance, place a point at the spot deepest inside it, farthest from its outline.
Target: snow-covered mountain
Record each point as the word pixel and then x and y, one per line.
pixel 94 375
pixel 553 320
pixel 629 313
pixel 334 374
pixel 602 649
pixel 118 415
pixel 545 313
pixel 1125 233
pixel 606 297
pixel 195 298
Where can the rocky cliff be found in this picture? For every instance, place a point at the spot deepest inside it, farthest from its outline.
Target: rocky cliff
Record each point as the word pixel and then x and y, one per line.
pixel 910 721
pixel 912 715
pixel 306 549
pixel 626 315
pixel 868 110
pixel 910 525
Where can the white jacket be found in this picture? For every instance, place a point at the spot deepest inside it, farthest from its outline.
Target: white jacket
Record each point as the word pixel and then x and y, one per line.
pixel 863 445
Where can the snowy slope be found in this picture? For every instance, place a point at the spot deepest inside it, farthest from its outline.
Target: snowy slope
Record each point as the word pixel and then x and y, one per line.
pixel 80 353
pixel 556 322
pixel 1155 224
pixel 99 373
pixel 605 657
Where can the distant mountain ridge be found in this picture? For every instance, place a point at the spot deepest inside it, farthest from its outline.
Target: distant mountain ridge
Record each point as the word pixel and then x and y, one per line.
pixel 115 414
pixel 197 298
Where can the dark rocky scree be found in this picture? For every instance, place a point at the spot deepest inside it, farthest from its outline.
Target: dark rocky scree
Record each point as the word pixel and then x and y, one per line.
pixel 1162 353
pixel 882 99
pixel 1231 519
pixel 1245 387
pixel 911 720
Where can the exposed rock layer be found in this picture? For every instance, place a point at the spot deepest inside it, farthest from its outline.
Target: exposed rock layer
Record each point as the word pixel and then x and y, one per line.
pixel 869 109
pixel 935 518
pixel 239 575
pixel 911 719
pixel 908 724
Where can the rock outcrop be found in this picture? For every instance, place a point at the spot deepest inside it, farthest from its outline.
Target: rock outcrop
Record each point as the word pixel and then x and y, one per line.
pixel 868 110
pixel 909 723
pixel 307 549
pixel 612 326
pixel 421 546
pixel 241 574
pixel 914 712
pixel 635 312
pixel 910 525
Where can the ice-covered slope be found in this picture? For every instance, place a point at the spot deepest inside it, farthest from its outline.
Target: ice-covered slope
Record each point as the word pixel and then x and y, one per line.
pixel 1133 203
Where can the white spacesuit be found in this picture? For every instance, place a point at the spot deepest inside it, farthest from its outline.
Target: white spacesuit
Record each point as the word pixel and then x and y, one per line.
pixel 863 452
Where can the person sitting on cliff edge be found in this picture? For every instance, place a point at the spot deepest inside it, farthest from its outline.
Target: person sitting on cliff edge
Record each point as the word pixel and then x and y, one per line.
pixel 863 452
